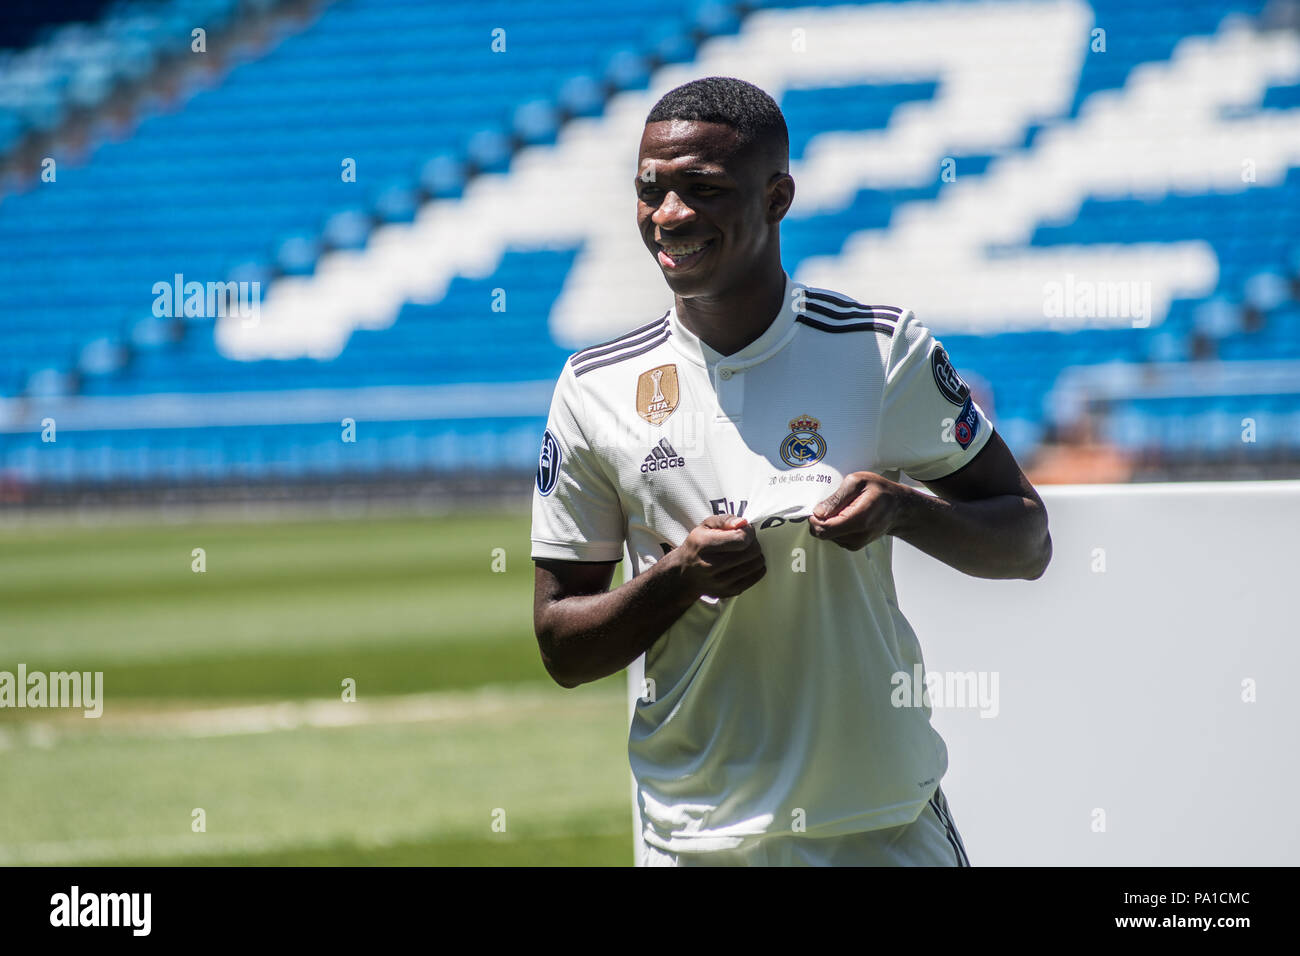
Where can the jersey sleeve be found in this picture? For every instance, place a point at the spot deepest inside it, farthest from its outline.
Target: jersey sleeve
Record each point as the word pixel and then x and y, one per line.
pixel 929 424
pixel 577 515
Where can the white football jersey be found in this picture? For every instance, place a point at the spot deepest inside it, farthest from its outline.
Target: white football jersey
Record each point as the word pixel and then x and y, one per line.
pixel 770 711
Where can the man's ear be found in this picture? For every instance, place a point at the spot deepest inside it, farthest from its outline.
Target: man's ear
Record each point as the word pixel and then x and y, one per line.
pixel 780 196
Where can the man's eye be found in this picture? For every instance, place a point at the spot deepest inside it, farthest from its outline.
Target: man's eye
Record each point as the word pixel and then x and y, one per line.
pixel 708 190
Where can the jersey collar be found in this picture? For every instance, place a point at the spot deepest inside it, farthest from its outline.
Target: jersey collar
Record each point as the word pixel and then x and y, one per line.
pixel 773 339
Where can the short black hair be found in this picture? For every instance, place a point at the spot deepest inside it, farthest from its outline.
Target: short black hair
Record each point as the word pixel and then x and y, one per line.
pixel 724 99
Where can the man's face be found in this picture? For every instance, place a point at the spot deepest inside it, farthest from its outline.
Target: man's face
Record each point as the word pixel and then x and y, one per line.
pixel 707 212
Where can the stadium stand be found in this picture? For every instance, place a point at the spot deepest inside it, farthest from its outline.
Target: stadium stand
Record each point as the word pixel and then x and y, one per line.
pixel 375 291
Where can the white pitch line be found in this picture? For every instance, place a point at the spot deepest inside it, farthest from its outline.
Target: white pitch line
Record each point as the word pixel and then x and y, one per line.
pixel 430 707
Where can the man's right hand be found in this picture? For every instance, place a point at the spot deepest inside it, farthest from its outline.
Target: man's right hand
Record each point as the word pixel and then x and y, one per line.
pixel 719 558
pixel 586 631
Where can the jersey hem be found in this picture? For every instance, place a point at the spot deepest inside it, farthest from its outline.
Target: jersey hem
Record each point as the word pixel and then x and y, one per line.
pixel 893 816
pixel 567 551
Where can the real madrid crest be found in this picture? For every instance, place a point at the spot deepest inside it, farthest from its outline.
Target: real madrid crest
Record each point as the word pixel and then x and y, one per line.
pixel 803 446
pixel 657 393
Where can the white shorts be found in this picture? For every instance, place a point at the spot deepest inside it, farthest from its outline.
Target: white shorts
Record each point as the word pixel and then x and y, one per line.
pixel 930 840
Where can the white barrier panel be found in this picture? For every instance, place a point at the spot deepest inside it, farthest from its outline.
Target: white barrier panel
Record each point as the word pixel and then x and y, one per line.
pixel 1139 702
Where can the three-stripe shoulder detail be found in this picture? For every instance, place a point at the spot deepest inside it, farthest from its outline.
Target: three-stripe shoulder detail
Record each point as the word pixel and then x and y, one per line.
pixel 626 346
pixel 832 313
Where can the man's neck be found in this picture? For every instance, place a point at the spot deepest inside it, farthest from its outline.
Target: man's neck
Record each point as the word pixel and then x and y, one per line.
pixel 731 321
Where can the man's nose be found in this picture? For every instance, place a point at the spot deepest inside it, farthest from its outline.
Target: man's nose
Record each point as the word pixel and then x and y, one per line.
pixel 672 210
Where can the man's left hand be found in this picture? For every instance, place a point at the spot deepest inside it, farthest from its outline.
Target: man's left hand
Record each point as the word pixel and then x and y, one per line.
pixel 863 508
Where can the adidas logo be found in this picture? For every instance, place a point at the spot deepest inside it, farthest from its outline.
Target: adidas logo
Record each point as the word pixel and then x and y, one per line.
pixel 662 456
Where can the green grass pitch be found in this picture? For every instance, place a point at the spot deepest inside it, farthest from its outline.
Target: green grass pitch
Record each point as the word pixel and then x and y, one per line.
pixel 223 693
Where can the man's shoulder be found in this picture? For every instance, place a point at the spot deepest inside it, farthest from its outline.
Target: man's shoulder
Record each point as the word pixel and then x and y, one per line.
pixel 841 328
pixel 628 345
pixel 835 313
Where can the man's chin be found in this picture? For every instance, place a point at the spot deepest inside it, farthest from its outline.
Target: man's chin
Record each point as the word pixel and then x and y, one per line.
pixel 690 286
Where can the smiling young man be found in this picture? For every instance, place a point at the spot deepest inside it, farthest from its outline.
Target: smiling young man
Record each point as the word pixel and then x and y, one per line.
pixel 746 448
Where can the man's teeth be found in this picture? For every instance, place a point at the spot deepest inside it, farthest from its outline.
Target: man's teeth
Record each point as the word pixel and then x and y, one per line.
pixel 676 251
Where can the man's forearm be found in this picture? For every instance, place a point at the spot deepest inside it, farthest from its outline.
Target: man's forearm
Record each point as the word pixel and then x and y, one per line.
pixel 590 636
pixel 1004 536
